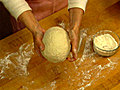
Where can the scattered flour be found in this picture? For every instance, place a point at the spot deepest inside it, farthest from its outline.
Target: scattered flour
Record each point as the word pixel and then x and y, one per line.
pixel 85 70
pixel 53 85
pixel 16 62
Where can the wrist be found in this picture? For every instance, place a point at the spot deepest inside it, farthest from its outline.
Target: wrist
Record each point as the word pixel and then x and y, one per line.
pixel 76 11
pixel 36 29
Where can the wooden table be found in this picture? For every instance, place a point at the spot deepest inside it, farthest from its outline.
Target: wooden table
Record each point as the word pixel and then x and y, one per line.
pixel 90 71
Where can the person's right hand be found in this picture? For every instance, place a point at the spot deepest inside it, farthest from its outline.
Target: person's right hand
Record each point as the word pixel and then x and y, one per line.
pixel 74 38
pixel 38 44
pixel 34 27
pixel 75 19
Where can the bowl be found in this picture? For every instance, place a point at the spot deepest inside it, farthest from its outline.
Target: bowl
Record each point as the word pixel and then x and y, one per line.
pixel 104 50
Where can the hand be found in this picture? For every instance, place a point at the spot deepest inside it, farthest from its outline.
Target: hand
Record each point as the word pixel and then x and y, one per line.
pixel 38 44
pixel 74 37
pixel 75 17
pixel 33 26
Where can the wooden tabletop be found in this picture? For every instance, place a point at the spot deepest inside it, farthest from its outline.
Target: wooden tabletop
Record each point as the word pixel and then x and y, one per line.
pixel 90 71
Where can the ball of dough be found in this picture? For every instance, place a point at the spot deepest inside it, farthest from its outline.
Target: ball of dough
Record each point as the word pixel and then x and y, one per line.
pixel 57 45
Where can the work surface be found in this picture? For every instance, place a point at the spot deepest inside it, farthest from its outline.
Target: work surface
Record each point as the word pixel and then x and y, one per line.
pixel 21 69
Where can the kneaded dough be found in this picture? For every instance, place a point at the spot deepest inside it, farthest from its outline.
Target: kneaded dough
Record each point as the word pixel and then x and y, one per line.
pixel 57 44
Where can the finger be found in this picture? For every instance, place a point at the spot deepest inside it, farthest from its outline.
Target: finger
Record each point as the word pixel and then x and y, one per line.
pixel 70 36
pixel 74 51
pixel 42 47
pixel 74 46
pixel 70 59
pixel 40 44
pixel 67 30
pixel 37 50
pixel 43 30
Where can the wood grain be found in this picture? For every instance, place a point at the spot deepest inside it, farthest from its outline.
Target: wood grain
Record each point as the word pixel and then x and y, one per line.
pixel 99 15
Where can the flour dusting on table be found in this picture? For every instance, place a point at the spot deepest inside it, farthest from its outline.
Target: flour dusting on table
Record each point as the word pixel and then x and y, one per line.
pixel 16 62
pixel 84 72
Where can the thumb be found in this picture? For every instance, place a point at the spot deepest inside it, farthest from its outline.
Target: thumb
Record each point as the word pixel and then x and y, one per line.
pixel 74 54
pixel 43 31
pixel 42 46
pixel 39 41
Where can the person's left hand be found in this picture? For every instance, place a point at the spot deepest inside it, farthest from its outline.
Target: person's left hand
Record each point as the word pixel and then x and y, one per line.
pixel 73 31
pixel 74 38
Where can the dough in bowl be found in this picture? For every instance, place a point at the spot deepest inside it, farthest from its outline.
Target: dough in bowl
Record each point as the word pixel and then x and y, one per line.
pixel 57 44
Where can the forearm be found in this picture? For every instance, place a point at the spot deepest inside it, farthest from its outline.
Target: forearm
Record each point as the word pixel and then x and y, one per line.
pixel 30 22
pixel 76 9
pixel 75 17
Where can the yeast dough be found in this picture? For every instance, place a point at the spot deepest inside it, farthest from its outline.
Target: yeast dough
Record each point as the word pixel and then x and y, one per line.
pixel 57 45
